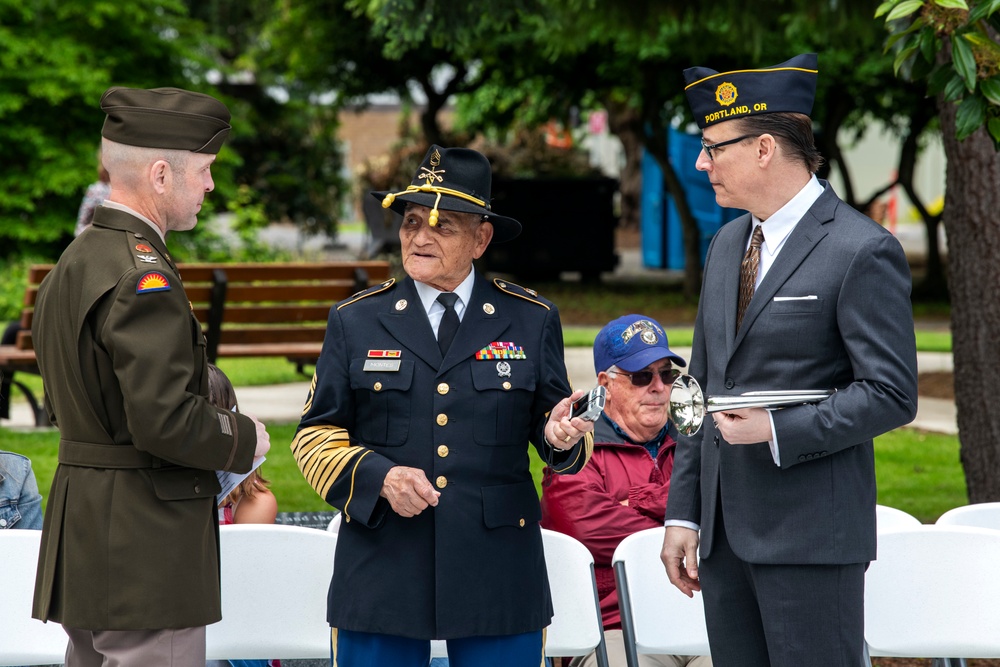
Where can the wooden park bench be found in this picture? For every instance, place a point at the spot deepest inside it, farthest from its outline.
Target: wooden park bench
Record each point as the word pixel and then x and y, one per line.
pixel 246 310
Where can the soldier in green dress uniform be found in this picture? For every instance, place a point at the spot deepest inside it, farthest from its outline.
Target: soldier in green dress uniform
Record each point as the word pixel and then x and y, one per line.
pixel 129 561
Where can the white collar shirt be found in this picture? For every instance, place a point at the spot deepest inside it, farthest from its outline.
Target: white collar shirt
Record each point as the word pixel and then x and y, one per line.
pixel 782 222
pixel 435 311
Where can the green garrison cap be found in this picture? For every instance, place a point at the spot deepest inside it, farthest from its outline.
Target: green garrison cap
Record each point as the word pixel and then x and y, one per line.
pixel 719 96
pixel 165 118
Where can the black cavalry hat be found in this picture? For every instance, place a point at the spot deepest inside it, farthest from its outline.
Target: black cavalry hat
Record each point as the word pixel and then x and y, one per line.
pixel 453 179
pixel 720 96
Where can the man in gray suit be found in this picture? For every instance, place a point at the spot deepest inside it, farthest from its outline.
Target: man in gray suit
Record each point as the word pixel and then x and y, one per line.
pixel 785 499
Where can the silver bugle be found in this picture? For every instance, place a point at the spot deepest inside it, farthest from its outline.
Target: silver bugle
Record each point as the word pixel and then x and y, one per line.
pixel 688 405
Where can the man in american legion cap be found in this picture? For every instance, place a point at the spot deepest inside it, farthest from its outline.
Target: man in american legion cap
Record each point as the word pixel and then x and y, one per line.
pixel 416 427
pixel 802 292
pixel 129 561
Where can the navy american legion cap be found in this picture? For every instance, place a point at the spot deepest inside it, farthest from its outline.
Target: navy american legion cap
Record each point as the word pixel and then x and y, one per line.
pixel 720 96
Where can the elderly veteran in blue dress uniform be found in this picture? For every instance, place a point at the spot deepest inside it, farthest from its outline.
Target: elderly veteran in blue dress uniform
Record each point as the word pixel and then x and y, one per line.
pixel 129 561
pixel 802 292
pixel 417 424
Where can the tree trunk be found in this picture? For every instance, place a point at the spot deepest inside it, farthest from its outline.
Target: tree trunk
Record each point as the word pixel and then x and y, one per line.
pixel 972 200
pixel 626 124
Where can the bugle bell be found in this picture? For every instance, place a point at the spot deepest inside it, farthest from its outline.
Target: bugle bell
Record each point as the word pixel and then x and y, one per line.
pixel 688 405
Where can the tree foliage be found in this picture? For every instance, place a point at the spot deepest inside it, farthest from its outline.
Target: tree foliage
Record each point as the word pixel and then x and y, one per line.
pixel 954 48
pixel 56 59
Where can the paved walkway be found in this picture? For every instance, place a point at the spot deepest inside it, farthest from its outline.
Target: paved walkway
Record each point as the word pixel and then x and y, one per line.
pixel 283 403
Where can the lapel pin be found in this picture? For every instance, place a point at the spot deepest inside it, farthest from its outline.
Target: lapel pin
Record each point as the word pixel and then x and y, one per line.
pixel 489 309
pixel 401 304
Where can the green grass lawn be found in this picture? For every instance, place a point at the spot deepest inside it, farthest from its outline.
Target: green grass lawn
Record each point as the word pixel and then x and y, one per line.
pixel 917 472
pixel 275 370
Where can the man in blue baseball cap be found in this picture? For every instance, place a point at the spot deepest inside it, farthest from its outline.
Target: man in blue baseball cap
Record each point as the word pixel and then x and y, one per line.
pixel 623 489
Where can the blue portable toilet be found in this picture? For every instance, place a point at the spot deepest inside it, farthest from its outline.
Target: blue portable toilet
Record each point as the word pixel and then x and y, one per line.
pixel 660 220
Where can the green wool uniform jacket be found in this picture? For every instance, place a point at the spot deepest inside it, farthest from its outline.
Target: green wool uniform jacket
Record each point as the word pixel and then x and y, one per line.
pixel 383 396
pixel 130 538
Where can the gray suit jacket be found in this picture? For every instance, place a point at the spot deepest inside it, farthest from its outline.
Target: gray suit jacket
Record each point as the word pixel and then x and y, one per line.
pixel 855 336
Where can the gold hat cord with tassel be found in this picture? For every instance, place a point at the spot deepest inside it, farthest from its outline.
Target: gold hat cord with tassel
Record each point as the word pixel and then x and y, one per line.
pixel 433 220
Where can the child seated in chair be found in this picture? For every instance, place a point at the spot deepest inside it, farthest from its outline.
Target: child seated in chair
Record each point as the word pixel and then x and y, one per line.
pixel 250 502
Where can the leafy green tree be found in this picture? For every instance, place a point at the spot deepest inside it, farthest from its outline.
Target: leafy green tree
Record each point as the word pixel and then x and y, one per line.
pixel 290 161
pixel 629 60
pixel 56 59
pixel 952 46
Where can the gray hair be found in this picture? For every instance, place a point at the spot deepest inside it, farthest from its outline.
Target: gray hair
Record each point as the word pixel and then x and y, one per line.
pixel 126 163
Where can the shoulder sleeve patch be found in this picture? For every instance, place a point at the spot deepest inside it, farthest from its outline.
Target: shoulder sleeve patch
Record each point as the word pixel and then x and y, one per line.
pixel 152 281
pixel 374 289
pixel 518 291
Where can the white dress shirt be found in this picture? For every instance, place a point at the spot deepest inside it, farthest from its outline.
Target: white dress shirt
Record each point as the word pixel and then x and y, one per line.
pixel 435 311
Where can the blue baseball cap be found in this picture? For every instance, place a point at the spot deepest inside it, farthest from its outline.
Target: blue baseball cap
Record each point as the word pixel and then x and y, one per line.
pixel 631 343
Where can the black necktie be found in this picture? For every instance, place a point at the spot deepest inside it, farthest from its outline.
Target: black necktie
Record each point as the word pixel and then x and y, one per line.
pixel 449 321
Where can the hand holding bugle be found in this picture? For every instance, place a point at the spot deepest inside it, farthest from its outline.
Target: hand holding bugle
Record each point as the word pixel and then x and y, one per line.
pixel 688 405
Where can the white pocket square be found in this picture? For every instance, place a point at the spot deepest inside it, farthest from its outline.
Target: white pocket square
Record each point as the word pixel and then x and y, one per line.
pixel 811 297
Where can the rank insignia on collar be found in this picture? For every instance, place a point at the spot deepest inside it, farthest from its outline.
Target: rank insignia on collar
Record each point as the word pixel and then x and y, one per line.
pixel 501 350
pixel 147 259
pixel 387 354
pixel 142 247
pixel 154 281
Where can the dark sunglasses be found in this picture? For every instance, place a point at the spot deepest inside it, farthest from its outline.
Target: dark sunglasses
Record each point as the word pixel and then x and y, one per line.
pixel 708 148
pixel 643 378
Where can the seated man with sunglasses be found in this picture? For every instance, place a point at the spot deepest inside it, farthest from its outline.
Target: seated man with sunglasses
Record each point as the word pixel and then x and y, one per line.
pixel 623 488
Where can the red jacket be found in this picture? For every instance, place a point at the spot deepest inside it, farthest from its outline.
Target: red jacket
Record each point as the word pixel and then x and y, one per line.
pixel 588 506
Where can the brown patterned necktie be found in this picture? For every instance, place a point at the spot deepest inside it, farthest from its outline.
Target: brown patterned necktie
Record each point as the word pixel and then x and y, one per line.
pixel 748 273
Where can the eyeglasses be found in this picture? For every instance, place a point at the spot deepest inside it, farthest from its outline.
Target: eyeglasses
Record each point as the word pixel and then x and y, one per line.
pixel 708 148
pixel 643 378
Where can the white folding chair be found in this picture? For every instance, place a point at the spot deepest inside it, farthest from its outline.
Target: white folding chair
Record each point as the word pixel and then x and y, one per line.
pixel 980 515
pixel 275 580
pixel 576 622
pixel 933 591
pixel 24 640
pixel 576 627
pixel 890 518
pixel 334 525
pixel 656 617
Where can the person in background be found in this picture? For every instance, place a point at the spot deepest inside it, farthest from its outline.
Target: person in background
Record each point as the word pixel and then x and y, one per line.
pixel 20 502
pixel 252 501
pixel 801 293
pixel 95 195
pixel 424 402
pixel 129 560
pixel 624 487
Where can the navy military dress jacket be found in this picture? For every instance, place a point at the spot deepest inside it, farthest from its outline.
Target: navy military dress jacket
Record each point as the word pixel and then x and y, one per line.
pixel 383 396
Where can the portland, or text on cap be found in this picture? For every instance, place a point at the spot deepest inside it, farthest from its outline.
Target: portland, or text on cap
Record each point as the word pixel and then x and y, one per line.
pixel 789 87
